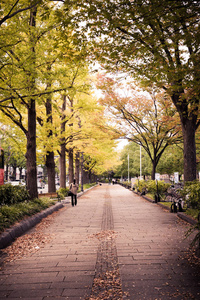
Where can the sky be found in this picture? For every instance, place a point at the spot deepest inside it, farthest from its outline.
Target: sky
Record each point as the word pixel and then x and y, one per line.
pixel 121 143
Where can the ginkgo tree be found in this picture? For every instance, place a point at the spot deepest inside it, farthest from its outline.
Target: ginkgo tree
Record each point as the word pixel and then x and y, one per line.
pixel 77 120
pixel 96 140
pixel 13 143
pixel 18 82
pixel 93 140
pixel 64 68
pixel 147 118
pixel 22 62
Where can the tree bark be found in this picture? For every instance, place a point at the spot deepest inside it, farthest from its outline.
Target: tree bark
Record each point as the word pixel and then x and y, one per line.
pixel 63 148
pixel 153 170
pixel 70 149
pixel 50 164
pixel 20 172
pixel 82 161
pixel 31 133
pixel 14 173
pixel 190 168
pixel 31 152
pixel 71 165
pixel 85 177
pixel 6 175
pixel 77 168
pixel 188 116
pixel 62 166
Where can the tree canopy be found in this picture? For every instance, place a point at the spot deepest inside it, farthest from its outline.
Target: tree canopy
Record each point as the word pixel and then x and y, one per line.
pixel 45 51
pixel 42 59
pixel 157 43
pixel 147 118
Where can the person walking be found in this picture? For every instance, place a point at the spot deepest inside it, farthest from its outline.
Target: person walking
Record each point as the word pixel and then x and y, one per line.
pixel 73 189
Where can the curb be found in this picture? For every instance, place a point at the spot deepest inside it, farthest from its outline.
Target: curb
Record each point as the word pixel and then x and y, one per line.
pixel 9 235
pixel 187 218
pixel 146 198
pixel 163 206
pixel 181 215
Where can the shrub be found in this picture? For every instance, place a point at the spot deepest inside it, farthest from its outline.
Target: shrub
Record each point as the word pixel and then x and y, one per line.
pixel 151 187
pixel 191 194
pixel 41 203
pixel 13 194
pixel 20 194
pixel 63 192
pixel 141 185
pixel 6 194
pixel 87 185
pixel 161 187
pixel 9 214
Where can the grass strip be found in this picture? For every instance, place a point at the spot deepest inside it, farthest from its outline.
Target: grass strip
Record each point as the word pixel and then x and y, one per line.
pixel 10 214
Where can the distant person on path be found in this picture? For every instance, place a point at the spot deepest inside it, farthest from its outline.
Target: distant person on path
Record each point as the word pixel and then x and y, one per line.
pixel 73 189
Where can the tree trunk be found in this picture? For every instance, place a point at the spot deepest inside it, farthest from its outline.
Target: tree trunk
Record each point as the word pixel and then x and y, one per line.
pixel 77 162
pixel 6 172
pixel 31 152
pixel 63 148
pixel 190 169
pixel 62 166
pixel 20 173
pixel 155 160
pixel 14 173
pixel 50 164
pixel 188 123
pixel 70 149
pixel 71 165
pixel 31 134
pixel 82 161
pixel 89 176
pixel 85 177
pixel 153 170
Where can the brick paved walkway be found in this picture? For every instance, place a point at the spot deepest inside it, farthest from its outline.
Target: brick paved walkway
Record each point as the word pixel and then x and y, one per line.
pixel 112 245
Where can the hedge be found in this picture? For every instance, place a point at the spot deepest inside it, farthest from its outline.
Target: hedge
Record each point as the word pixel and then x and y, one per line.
pixel 13 194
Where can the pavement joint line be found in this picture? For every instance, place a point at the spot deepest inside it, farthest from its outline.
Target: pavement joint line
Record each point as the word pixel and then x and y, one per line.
pixel 107 266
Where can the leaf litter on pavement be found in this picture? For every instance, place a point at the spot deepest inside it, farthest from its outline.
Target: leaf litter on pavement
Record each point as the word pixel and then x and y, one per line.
pixel 107 283
pixel 30 242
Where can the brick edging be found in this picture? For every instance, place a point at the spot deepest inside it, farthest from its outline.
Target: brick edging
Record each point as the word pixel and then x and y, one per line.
pixel 181 215
pixel 186 218
pixel 9 235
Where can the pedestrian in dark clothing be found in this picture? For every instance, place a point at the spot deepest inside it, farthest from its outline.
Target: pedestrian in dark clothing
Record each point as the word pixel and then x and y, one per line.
pixel 73 189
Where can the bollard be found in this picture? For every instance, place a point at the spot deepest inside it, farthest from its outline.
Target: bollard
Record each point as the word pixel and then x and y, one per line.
pixel 180 206
pixel 174 207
